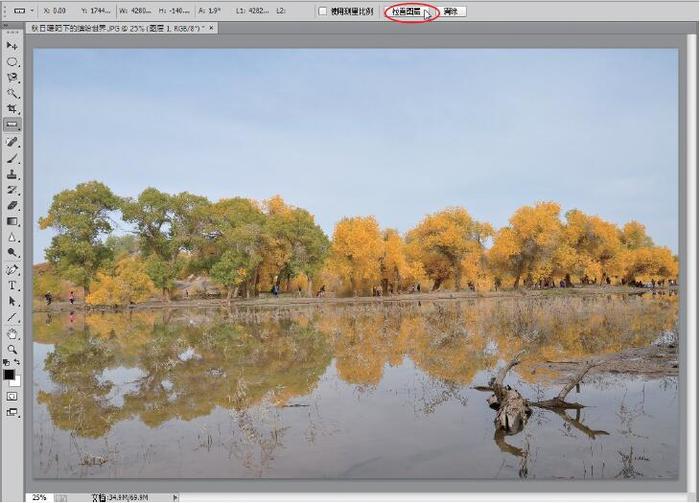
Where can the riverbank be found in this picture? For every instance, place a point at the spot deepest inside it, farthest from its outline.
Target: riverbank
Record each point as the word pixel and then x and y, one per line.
pixel 290 300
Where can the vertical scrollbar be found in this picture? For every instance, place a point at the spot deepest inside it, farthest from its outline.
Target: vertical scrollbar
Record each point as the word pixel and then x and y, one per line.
pixel 13 228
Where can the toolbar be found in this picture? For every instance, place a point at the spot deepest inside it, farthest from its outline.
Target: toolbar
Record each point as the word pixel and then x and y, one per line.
pixel 349 10
pixel 12 158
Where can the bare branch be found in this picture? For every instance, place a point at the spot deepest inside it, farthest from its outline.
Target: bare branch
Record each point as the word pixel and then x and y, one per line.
pixel 576 379
pixel 559 402
pixel 502 373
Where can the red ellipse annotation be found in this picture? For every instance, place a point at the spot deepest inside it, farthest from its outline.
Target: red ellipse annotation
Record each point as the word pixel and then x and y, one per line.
pixel 425 19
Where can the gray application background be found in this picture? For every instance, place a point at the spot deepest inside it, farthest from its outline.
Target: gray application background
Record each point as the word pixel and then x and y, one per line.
pixel 372 35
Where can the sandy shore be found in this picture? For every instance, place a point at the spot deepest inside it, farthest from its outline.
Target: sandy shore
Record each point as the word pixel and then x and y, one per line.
pixel 290 300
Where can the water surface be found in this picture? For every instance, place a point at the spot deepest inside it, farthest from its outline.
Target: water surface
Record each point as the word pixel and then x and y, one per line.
pixel 344 391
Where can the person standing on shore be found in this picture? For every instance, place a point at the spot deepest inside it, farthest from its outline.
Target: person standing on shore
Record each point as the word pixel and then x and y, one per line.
pixel 71 297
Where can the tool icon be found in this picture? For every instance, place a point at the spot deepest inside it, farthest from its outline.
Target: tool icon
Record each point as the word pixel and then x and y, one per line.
pixel 12 284
pixel 11 46
pixel 12 205
pixel 12 159
pixel 11 189
pixel 11 238
pixel 12 108
pixel 11 349
pixel 12 175
pixel 11 251
pixel 11 269
pixel 11 61
pixel 12 301
pixel 12 77
pixel 11 141
pixel 12 333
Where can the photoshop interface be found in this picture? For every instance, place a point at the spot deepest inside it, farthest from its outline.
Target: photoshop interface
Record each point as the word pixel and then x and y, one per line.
pixel 348 246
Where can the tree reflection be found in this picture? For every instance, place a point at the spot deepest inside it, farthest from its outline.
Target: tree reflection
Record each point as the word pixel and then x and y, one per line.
pixel 79 400
pixel 190 362
pixel 186 371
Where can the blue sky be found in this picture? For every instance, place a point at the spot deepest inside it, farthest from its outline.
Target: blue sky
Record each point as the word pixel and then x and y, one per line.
pixel 391 133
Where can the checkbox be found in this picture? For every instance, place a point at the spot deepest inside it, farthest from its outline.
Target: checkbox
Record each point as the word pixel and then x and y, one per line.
pixel 322 11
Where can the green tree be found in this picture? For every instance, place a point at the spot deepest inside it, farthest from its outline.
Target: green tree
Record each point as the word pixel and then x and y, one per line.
pixel 82 217
pixel 166 225
pixel 231 270
pixel 119 245
pixel 163 273
pixel 298 244
pixel 152 213
pixel 235 225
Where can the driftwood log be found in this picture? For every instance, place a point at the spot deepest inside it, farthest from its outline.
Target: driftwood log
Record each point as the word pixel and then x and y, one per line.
pixel 513 410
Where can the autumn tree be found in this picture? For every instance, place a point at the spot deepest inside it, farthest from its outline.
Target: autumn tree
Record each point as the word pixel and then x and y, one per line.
pixel 46 279
pixel 356 250
pixel 396 267
pixel 246 245
pixel 645 261
pixel 527 246
pixel 651 263
pixel 82 217
pixel 634 236
pixel 591 248
pixel 443 240
pixel 129 284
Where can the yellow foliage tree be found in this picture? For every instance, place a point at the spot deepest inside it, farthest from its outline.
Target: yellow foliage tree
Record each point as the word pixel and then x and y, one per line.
pixel 527 246
pixel 651 263
pixel 443 240
pixel 129 284
pixel 357 248
pixel 397 269
pixel 591 248
pixel 634 236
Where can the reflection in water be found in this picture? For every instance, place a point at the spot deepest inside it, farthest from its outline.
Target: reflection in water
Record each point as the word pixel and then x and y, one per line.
pixel 259 387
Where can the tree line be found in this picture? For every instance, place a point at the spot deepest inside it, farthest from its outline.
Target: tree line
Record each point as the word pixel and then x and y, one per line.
pixel 248 247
